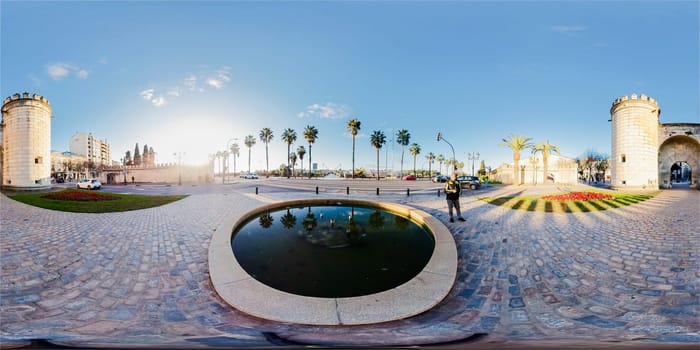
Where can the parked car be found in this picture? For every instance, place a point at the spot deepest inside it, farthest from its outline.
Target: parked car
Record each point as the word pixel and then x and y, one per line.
pixel 440 178
pixel 249 176
pixel 90 184
pixel 408 178
pixel 471 182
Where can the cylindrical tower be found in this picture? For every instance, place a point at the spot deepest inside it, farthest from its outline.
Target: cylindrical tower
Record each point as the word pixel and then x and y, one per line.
pixel 26 129
pixel 634 162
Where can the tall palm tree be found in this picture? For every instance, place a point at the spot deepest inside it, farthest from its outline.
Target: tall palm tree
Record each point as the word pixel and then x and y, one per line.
pixel 377 139
pixel 517 144
pixel 293 160
pixel 219 155
pixel 235 152
pixel 249 142
pixel 546 149
pixel 431 158
pixel 402 138
pixel 415 151
pixel 224 155
pixel 265 137
pixel 310 134
pixel 301 151
pixel 440 159
pixel 289 136
pixel 353 126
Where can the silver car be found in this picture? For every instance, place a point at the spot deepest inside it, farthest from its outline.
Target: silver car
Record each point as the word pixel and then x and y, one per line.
pixel 90 184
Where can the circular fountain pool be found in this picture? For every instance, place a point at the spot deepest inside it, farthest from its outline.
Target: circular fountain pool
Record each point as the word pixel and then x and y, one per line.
pixel 332 251
pixel 333 261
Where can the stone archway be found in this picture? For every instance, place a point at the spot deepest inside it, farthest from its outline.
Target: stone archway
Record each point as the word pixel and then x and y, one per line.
pixel 678 157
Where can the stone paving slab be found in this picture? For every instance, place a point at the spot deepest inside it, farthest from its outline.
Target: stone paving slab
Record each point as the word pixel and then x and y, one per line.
pixel 142 277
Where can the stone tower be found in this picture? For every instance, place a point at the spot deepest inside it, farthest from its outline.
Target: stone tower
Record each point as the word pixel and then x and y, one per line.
pixel 634 162
pixel 26 129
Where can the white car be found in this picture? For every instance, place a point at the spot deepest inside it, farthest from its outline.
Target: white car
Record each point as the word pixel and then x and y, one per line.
pixel 90 184
pixel 250 176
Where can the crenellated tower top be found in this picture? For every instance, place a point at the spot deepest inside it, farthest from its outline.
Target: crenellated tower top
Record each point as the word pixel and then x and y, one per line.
pixel 635 100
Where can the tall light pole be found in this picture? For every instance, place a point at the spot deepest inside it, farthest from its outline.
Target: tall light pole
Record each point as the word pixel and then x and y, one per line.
pixel 473 157
pixel 179 166
pixel 454 165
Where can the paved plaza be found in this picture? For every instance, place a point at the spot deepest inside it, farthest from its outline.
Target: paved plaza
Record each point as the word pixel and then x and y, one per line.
pixel 627 275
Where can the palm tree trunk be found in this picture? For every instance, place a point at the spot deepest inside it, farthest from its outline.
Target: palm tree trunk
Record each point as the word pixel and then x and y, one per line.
pixel 401 171
pixel 516 168
pixel 353 156
pixel 267 161
pixel 544 166
pixel 288 146
pixel 377 164
pixel 248 160
pixel 414 166
pixel 309 161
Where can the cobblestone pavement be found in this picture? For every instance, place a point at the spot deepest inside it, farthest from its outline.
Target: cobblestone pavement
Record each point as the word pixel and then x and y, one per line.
pixel 141 277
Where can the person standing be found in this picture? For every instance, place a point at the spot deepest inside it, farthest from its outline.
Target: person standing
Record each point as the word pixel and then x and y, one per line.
pixel 452 191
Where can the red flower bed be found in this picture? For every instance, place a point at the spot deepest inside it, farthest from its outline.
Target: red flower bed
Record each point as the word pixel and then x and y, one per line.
pixel 75 195
pixel 578 196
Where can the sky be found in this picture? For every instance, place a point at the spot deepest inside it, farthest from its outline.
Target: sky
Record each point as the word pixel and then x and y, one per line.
pixel 190 78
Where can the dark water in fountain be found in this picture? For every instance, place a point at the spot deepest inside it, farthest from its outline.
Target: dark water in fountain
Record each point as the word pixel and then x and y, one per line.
pixel 332 251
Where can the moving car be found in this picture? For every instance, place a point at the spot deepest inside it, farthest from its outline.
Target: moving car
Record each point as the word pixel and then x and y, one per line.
pixel 440 178
pixel 471 182
pixel 90 184
pixel 249 176
pixel 409 178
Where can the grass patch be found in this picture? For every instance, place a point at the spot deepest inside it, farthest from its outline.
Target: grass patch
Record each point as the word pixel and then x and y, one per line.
pixel 84 201
pixel 545 204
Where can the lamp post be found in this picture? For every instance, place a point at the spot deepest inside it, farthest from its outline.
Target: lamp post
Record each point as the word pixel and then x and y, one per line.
pixel 179 166
pixel 228 148
pixel 473 157
pixel 454 165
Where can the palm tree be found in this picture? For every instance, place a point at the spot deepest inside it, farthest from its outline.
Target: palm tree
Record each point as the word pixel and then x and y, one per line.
pixel 301 151
pixel 377 139
pixel 249 142
pixel 289 136
pixel 224 155
pixel 219 155
pixel 546 149
pixel 235 152
pixel 517 144
pixel 293 160
pixel 403 138
pixel 440 159
pixel 353 126
pixel 415 151
pixel 265 137
pixel 431 158
pixel 310 134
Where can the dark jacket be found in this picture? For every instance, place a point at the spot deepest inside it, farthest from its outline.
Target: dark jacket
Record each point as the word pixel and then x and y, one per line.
pixel 453 189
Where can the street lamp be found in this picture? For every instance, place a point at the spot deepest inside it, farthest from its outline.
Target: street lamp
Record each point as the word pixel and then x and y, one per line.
pixel 473 157
pixel 179 166
pixel 439 137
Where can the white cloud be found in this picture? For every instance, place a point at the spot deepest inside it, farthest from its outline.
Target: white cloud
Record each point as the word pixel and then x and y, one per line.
pixel 567 29
pixel 191 82
pixel 147 94
pixel 82 74
pixel 175 91
pixel 326 111
pixel 58 71
pixel 158 101
pixel 215 83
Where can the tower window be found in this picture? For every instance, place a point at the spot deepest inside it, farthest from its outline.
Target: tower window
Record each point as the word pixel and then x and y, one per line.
pixel 38 160
pixel 623 158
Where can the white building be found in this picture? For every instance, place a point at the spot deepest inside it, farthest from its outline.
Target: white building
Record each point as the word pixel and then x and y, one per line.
pixel 94 149
pixel 68 166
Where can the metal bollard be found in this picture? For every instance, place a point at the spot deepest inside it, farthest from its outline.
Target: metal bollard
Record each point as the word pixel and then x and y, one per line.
pixel 408 191
pixel 438 192
pixel 316 189
pixel 347 190
pixel 377 191
pixel 256 189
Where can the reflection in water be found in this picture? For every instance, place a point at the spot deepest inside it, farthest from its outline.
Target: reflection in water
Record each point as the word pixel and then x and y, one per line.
pixel 371 250
pixel 266 220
